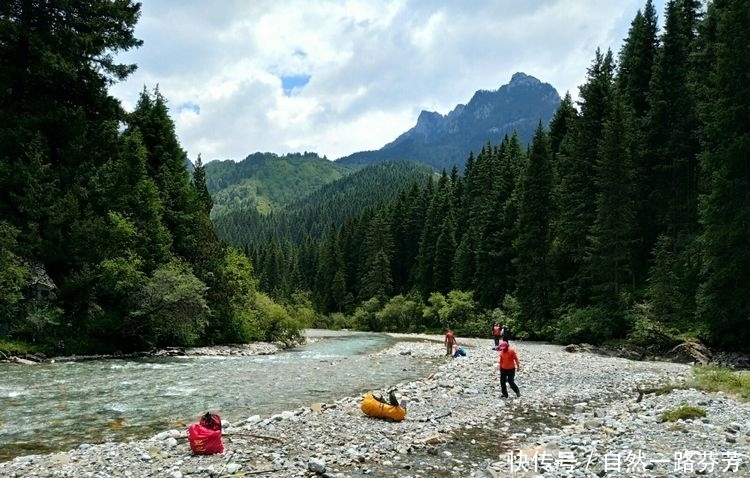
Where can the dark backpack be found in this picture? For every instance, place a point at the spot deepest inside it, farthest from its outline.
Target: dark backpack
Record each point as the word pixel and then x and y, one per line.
pixel 507 334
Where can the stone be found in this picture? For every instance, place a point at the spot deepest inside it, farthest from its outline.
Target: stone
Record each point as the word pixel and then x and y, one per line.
pixel 316 465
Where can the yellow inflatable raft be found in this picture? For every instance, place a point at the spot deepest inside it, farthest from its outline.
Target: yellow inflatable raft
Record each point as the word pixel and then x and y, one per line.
pixel 372 407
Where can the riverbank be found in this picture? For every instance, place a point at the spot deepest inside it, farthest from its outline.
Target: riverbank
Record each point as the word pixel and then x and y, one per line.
pixel 255 348
pixel 580 412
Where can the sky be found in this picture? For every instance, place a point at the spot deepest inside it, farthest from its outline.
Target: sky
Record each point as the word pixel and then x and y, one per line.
pixel 341 76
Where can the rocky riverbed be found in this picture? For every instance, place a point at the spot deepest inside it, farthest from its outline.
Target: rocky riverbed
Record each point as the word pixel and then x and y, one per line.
pixel 579 415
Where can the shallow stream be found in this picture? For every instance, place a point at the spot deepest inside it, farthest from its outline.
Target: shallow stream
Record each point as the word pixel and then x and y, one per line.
pixel 56 406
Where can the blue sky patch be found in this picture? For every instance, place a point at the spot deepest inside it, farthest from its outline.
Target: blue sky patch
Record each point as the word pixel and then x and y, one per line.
pixel 292 82
pixel 189 105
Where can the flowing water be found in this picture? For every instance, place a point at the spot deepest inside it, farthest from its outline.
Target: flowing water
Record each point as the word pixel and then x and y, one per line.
pixel 56 406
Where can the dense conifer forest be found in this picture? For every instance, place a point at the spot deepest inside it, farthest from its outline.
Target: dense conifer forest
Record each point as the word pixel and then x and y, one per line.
pixel 627 217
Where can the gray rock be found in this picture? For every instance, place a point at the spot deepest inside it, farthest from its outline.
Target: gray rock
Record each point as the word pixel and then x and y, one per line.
pixel 316 465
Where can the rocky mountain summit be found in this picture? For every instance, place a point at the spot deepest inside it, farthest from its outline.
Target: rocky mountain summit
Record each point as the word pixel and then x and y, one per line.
pixel 446 140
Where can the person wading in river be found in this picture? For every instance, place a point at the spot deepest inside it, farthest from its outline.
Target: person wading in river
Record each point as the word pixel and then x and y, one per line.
pixel 508 363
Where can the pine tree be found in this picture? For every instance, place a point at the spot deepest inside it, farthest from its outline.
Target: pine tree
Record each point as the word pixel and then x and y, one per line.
pixel 562 123
pixel 575 190
pixel 494 249
pixel 430 232
pixel 330 281
pixel 532 243
pixel 562 127
pixel 201 189
pixel 377 251
pixel 482 213
pixel 723 300
pixel 672 125
pixel 673 148
pixel 636 61
pixel 445 251
pixel 465 261
pixel 612 237
pixel 166 164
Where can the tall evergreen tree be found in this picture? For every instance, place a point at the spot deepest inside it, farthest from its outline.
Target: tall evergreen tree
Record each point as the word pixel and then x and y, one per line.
pixel 201 189
pixel 532 243
pixel 480 209
pixel 57 135
pixel 724 296
pixel 575 187
pixel 672 125
pixel 430 232
pixel 166 162
pixel 55 66
pixel 636 60
pixel 445 251
pixel 377 251
pixel 612 237
pixel 186 211
pixel 465 260
pixel 562 123
pixel 673 148
pixel 634 80
pixel 330 282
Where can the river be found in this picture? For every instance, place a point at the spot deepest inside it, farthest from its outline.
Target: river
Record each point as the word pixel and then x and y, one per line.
pixel 56 406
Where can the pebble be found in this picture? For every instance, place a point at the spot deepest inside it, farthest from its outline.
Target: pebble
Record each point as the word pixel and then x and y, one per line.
pixel 579 415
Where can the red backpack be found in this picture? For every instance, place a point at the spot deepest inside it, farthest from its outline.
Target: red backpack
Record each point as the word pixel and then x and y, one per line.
pixel 205 436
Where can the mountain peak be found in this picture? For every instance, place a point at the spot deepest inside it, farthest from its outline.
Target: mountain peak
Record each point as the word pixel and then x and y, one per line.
pixel 443 141
pixel 520 78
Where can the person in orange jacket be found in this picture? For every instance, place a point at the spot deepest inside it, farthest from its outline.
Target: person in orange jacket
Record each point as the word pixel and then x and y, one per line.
pixel 509 363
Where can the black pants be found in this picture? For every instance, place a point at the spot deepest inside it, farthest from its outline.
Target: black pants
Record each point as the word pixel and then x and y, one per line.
pixel 497 340
pixel 508 376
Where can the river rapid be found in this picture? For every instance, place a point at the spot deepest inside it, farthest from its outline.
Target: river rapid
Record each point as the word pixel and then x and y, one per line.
pixel 56 406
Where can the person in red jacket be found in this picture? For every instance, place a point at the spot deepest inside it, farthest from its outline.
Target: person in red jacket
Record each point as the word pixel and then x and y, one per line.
pixel 509 363
pixel 450 341
pixel 497 333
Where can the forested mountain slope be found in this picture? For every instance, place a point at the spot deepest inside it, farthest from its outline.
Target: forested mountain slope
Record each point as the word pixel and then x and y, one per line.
pixel 330 205
pixel 266 181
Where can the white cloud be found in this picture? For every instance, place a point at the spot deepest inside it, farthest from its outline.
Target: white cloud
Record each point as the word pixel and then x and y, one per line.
pixel 373 64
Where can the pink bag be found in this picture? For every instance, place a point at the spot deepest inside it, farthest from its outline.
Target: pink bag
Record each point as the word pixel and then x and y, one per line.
pixel 205 437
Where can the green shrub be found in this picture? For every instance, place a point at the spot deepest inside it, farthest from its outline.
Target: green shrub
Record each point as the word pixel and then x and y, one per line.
pixel 365 316
pixel 339 321
pixel 273 323
pixel 476 326
pixel 646 331
pixel 583 325
pixel 399 314
pixel 10 347
pixel 683 412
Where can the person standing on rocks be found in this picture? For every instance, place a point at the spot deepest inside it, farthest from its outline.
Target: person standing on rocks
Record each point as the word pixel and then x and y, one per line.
pixel 508 363
pixel 450 341
pixel 496 334
pixel 505 333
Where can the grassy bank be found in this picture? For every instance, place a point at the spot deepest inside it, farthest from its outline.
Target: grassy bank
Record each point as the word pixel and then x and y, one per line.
pixel 721 379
